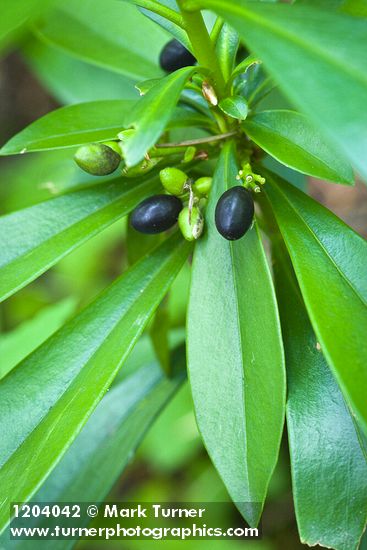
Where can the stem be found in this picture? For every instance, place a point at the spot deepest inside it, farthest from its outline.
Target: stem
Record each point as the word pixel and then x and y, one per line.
pixel 202 45
pixel 164 11
pixel 198 141
pixel 217 27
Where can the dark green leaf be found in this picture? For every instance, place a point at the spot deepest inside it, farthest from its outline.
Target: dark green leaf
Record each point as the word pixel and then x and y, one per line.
pixel 159 333
pixel 235 355
pixel 37 237
pixel 51 394
pixel 107 441
pixel 293 140
pixel 110 34
pixel 329 467
pixel 71 126
pixel 235 107
pixel 329 259
pixel 151 114
pixel 317 57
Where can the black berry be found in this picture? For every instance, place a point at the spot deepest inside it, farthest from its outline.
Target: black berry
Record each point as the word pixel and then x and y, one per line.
pixel 156 214
pixel 175 56
pixel 234 213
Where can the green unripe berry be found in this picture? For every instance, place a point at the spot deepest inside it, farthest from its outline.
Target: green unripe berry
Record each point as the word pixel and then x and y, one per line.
pixel 202 186
pixel 189 154
pixel 173 180
pixel 191 226
pixel 97 159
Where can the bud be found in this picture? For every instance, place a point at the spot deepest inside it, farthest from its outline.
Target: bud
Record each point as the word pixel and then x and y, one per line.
pixel 173 180
pixel 202 186
pixel 209 93
pixel 191 223
pixel 97 159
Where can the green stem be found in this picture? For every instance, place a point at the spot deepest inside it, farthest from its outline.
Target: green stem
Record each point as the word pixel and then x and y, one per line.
pixel 202 45
pixel 217 27
pixel 159 9
pixel 199 141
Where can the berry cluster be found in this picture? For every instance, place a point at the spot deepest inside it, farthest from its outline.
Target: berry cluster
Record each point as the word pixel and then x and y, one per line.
pixel 184 199
pixel 233 215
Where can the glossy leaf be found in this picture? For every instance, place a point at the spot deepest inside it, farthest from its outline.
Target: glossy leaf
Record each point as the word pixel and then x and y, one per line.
pixel 329 465
pixel 226 49
pixel 235 107
pixel 151 114
pixel 71 126
pixel 94 34
pixel 104 447
pixel 169 25
pixel 159 333
pixel 69 79
pixel 18 343
pixel 323 74
pixel 294 141
pixel 329 259
pixel 235 355
pixel 67 376
pixel 37 237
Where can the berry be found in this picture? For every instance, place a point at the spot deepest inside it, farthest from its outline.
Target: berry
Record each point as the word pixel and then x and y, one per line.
pixel 173 180
pixel 191 225
pixel 202 186
pixel 97 159
pixel 156 214
pixel 175 56
pixel 234 213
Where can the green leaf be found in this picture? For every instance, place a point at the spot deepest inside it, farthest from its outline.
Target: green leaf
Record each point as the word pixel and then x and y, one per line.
pixel 169 25
pixel 37 237
pixel 159 333
pixel 357 8
pixel 105 34
pixel 226 49
pixel 329 259
pixel 20 342
pixel 151 114
pixel 71 126
pixel 235 355
pixel 322 74
pixel 51 394
pixel 329 467
pixel 108 440
pixel 69 79
pixel 243 67
pixel 235 107
pixel 294 141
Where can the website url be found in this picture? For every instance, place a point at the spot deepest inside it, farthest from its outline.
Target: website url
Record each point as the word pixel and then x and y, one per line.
pixel 119 532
